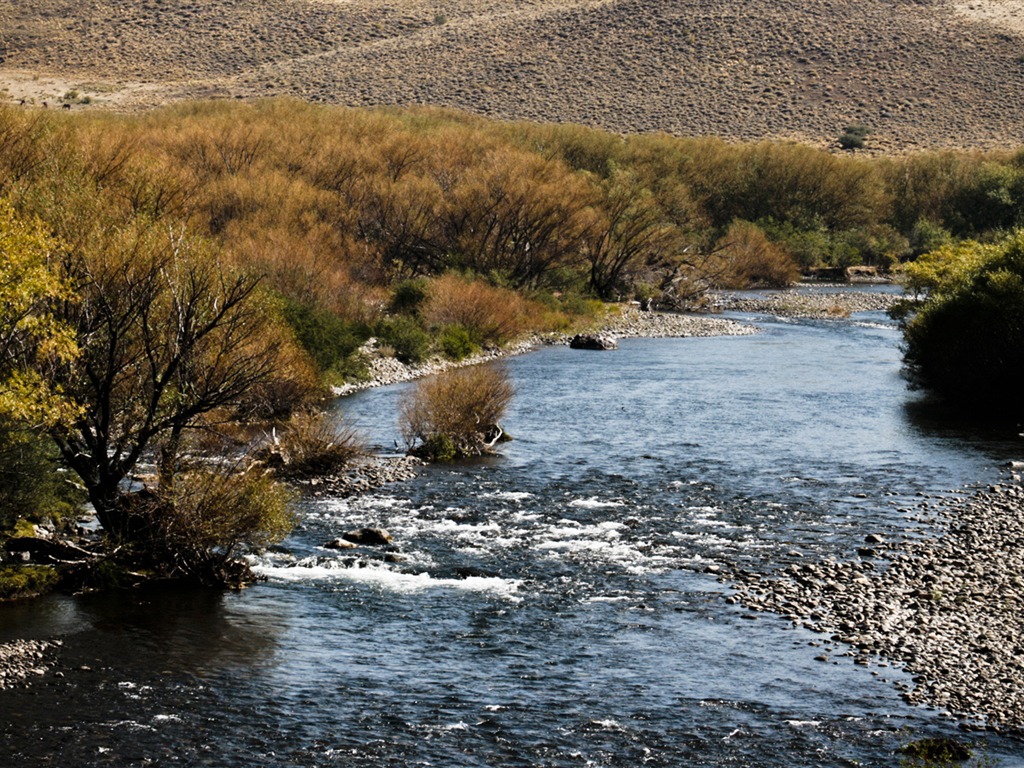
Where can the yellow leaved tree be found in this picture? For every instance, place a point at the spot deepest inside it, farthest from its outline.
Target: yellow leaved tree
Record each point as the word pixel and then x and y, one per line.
pixel 31 336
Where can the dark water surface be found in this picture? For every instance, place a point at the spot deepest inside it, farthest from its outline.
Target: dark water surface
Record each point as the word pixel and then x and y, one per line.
pixel 551 607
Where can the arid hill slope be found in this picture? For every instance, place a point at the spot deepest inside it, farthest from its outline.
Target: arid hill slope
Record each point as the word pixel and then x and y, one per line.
pixel 921 73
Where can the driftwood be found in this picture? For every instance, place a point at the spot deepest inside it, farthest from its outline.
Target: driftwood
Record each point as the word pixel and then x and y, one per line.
pixel 52 552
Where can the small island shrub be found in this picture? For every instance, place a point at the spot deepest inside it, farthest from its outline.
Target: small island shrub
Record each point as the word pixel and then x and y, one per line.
pixel 456 414
pixel 312 444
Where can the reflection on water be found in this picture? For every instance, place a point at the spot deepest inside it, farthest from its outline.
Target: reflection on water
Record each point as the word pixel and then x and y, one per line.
pixel 553 606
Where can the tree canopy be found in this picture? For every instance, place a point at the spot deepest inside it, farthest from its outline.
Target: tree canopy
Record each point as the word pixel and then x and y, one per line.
pixel 966 341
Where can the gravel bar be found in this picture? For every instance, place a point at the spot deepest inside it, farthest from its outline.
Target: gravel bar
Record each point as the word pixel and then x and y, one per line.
pixel 23 660
pixel 949 609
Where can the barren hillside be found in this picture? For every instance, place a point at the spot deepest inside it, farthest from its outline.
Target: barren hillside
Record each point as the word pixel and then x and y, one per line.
pixel 920 73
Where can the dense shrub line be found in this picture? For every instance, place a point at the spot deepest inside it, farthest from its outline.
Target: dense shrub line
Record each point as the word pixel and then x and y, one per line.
pixel 169 276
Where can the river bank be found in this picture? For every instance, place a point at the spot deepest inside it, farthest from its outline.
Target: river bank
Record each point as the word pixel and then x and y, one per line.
pixel 809 304
pixel 949 609
pixel 626 322
pixel 23 660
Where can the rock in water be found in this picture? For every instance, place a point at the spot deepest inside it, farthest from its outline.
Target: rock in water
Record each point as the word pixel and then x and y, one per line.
pixel 368 537
pixel 592 341
pixel 339 544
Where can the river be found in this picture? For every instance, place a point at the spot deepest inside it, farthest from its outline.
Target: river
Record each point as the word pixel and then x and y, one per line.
pixel 554 606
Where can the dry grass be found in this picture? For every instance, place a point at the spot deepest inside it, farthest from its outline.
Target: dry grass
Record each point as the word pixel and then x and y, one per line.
pixel 925 74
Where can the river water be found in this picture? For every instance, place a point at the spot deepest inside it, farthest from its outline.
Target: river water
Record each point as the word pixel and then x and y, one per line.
pixel 553 606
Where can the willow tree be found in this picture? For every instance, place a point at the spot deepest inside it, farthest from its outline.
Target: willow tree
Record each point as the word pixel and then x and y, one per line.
pixel 32 336
pixel 168 340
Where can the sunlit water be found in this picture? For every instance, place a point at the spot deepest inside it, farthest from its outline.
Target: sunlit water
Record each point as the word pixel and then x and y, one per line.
pixel 550 607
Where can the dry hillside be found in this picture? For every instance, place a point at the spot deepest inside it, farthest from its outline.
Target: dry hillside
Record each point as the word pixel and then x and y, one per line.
pixel 921 73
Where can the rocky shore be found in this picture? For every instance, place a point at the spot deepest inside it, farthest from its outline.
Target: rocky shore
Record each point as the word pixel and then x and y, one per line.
pixel 362 476
pixel 818 304
pixel 948 609
pixel 630 322
pixel 22 660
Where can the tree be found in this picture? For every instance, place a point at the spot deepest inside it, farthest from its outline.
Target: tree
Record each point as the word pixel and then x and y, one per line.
pixel 966 340
pixel 32 337
pixel 630 232
pixel 169 342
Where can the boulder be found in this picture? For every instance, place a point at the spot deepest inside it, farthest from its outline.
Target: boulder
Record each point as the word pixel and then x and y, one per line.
pixel 339 544
pixel 368 537
pixel 593 341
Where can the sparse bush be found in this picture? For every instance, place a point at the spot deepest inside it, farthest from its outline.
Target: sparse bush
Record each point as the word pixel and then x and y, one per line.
pixel 310 445
pixel 456 414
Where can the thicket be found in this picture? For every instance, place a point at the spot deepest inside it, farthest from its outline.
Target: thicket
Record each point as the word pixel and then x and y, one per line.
pixel 966 340
pixel 167 275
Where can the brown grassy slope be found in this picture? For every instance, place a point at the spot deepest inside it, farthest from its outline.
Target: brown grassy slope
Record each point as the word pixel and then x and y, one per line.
pixel 917 71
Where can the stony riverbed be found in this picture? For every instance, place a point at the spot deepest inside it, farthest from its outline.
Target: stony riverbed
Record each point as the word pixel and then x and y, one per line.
pixel 817 304
pixel 23 660
pixel 948 609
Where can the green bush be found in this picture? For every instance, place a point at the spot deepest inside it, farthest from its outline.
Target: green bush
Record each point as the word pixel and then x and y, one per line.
pixel 330 340
pixel 408 296
pixel 30 485
pixel 966 341
pixel 403 334
pixel 854 136
pixel 455 342
pixel 18 581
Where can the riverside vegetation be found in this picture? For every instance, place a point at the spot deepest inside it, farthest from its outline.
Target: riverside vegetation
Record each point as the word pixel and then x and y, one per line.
pixel 179 282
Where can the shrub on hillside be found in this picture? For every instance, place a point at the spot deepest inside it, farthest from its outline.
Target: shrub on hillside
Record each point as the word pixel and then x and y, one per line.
pixel 966 341
pixel 456 413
